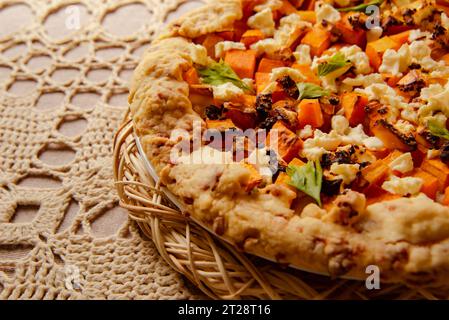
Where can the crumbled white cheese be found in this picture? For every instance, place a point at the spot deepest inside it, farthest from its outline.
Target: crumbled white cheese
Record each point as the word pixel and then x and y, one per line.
pixel 403 163
pixel 268 4
pixel 223 46
pixel 198 54
pixel 226 91
pixel 374 33
pixel 437 97
pixel 263 21
pixel 269 46
pixel 373 143
pixel 396 62
pixel 302 54
pixel 385 95
pixel 325 11
pixel 433 153
pixel 282 36
pixel 444 21
pixel 409 113
pixel 403 186
pixel 416 34
pixel 340 124
pixel 278 73
pixel 313 148
pixel 358 58
pixel 346 172
pixel 364 80
pixel 404 126
pixel 306 132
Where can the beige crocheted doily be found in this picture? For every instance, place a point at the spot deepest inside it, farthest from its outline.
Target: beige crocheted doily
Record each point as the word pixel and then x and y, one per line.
pixel 64 67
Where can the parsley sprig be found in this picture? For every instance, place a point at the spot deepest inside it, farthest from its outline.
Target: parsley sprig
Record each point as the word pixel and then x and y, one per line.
pixel 336 62
pixel 219 73
pixel 437 130
pixel 310 91
pixel 308 178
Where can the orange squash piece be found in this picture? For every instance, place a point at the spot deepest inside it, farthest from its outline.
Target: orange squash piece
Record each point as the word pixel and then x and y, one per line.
pixel 349 34
pixel 401 37
pixel 318 39
pixel 287 8
pixel 354 106
pixel 228 35
pixel 430 183
pixel 242 62
pixel 376 172
pixel 191 76
pixel 306 71
pixel 220 125
pixel 439 170
pixel 209 43
pixel 287 145
pixel 384 131
pixel 262 81
pixel 243 120
pixel 267 65
pixel 307 15
pixel 252 36
pixel 309 112
pixel 445 58
pixel 375 50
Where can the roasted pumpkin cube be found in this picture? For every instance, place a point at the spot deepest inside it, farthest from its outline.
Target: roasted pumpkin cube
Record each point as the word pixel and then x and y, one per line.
pixel 376 49
pixel 376 172
pixel 307 15
pixel 306 71
pixel 191 76
pixel 354 106
pixel 284 141
pixel 318 39
pixel 309 112
pixel 430 183
pixel 209 43
pixel 262 81
pixel 267 65
pixel 391 137
pixel 220 125
pixel 439 170
pixel 349 34
pixel 243 120
pixel 251 36
pixel 242 62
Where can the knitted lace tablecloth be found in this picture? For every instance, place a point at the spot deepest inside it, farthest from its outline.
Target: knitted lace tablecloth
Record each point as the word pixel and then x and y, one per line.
pixel 64 68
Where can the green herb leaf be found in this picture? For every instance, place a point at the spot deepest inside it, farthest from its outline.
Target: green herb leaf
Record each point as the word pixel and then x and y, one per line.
pixel 361 7
pixel 337 61
pixel 437 130
pixel 307 178
pixel 220 73
pixel 310 91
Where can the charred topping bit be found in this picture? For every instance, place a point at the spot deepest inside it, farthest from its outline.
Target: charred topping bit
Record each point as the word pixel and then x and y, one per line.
pixel 408 16
pixel 434 141
pixel 412 83
pixel 268 123
pixel 213 112
pixel 289 87
pixel 264 104
pixel 390 21
pixel 331 187
pixel 408 139
pixel 339 156
pixel 334 100
pixel 414 66
pixel 444 152
pixel 357 22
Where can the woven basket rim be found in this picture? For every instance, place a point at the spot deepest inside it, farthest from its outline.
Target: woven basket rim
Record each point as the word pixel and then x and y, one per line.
pixel 217 268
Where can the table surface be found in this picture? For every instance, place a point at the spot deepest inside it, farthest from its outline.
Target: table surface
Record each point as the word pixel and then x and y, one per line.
pixel 64 71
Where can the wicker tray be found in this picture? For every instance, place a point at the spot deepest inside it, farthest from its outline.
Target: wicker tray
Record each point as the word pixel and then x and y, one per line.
pixel 217 268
